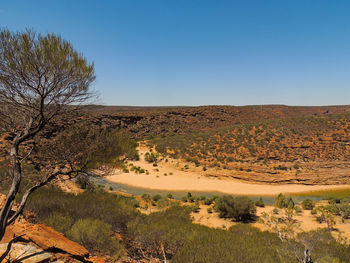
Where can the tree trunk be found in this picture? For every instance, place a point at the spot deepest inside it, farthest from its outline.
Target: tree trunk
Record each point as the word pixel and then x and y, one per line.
pixel 164 255
pixel 16 181
pixel 307 256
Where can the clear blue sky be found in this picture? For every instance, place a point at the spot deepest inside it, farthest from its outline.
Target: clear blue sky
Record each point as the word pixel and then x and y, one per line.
pixel 183 52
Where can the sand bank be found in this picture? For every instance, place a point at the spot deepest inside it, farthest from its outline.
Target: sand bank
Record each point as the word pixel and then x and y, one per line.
pixel 203 184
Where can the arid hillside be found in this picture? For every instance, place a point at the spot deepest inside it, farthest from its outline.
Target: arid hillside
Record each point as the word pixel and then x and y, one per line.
pixel 270 143
pixel 147 122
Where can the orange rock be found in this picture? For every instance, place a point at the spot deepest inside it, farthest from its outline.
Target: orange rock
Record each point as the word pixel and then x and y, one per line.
pixel 97 260
pixel 47 238
pixel 9 234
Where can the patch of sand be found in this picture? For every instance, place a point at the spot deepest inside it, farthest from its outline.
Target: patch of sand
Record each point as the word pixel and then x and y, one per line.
pixel 306 219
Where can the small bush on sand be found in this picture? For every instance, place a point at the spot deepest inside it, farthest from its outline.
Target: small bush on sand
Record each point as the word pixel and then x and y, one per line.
pixel 239 208
pixel 308 204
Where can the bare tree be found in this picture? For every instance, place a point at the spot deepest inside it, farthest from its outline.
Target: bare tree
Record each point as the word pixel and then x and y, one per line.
pixel 40 76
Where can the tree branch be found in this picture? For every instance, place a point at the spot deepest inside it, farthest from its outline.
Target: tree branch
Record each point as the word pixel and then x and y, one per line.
pixel 9 245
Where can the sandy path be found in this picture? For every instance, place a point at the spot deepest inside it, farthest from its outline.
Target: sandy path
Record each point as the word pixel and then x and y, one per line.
pixel 172 176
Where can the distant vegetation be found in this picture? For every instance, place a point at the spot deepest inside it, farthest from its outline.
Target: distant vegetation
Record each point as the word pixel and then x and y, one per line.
pixel 286 140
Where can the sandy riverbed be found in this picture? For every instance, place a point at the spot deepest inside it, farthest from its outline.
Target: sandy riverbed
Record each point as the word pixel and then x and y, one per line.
pixel 202 184
pixel 171 176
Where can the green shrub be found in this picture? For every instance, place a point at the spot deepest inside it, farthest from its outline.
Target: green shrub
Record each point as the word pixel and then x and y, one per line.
pixel 146 197
pixel 112 209
pixel 241 243
pixel 82 181
pixel 151 157
pixel 290 203
pixel 195 208
pixel 166 230
pixel 208 201
pixel 280 201
pixel 59 222
pixel 260 202
pixel 95 235
pixel 308 204
pixel 239 208
pixel 298 209
pixel 156 197
pixel 184 199
pixel 275 211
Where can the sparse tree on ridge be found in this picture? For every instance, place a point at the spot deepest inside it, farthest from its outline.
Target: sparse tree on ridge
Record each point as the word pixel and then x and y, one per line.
pixel 40 75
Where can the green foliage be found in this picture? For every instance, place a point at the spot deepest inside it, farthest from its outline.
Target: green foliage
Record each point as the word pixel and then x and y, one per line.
pixel 239 208
pixel 282 202
pixel 88 218
pixel 59 222
pixel 308 204
pixel 146 197
pixel 95 235
pixel 343 210
pixel 260 202
pixel 196 208
pixel 166 230
pixel 110 208
pixel 290 203
pixel 83 182
pixel 156 197
pixel 151 157
pixel 242 243
pixel 324 247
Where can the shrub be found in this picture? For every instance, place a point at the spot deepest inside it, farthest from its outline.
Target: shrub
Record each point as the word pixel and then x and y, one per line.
pixel 110 208
pixel 239 208
pixel 162 231
pixel 208 201
pixel 151 157
pixel 241 243
pixel 195 208
pixel 156 197
pixel 290 203
pixel 59 222
pixel 260 203
pixel 298 209
pixel 95 235
pixel 83 181
pixel 146 197
pixel 280 201
pixel 308 204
